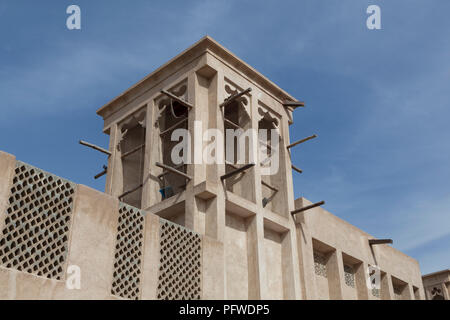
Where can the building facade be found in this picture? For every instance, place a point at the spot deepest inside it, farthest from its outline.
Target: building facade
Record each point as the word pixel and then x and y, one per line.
pixel 437 285
pixel 191 229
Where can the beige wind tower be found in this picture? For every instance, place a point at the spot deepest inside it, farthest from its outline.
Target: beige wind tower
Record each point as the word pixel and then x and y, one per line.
pixel 246 212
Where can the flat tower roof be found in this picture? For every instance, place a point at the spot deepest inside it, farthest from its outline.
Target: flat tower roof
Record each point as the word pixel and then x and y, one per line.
pixel 205 44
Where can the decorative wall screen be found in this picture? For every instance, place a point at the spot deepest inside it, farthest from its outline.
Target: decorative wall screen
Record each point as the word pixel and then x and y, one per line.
pixel 398 292
pixel 349 274
pixel 180 263
pixel 37 225
pixel 128 256
pixel 320 264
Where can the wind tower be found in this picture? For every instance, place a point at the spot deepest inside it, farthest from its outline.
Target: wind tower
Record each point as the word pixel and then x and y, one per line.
pixel 237 204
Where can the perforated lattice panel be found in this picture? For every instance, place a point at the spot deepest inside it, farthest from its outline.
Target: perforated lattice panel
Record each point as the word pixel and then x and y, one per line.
pixel 36 232
pixel 180 263
pixel 398 293
pixel 320 264
pixel 349 274
pixel 128 257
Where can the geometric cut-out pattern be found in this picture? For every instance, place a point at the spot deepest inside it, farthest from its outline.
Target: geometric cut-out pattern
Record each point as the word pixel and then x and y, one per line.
pixel 320 264
pixel 128 256
pixel 180 263
pixel 37 224
pixel 349 274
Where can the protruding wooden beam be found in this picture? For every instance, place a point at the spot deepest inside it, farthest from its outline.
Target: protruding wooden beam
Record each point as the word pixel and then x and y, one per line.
pixel 234 97
pixel 308 207
pixel 177 99
pixel 380 241
pixel 288 103
pixel 236 126
pixel 130 191
pixel 169 168
pixel 269 186
pixel 126 154
pixel 301 141
pixel 232 173
pixel 98 175
pixel 167 172
pixel 173 126
pixel 296 169
pixel 93 146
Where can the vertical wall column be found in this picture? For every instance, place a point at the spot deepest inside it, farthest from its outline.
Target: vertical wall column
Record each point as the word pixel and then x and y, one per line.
pixel 361 278
pixel 256 263
pixel 291 283
pixel 7 166
pixel 305 256
pixel 150 188
pixel 215 207
pixel 151 258
pixel 213 269
pixel 335 270
pixel 387 289
pixel 92 243
pixel 445 290
pixel 409 292
pixel 255 236
pixel 293 256
pixel 198 89
pixel 114 176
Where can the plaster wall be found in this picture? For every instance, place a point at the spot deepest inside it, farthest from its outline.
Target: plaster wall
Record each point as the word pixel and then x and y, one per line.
pixel 236 258
pixel 274 271
pixel 318 224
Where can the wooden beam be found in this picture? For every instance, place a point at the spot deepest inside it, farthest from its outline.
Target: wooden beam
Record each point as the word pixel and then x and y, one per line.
pixel 296 169
pixel 167 172
pixel 126 154
pixel 308 207
pixel 269 186
pixel 301 141
pixel 171 169
pixel 288 103
pixel 380 241
pixel 228 163
pixel 130 191
pixel 173 126
pixel 177 99
pixel 234 97
pixel 93 146
pixel 233 124
pixel 232 173
pixel 265 144
pixel 98 175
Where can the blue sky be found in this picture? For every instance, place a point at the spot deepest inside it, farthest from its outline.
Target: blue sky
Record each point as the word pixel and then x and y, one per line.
pixel 378 99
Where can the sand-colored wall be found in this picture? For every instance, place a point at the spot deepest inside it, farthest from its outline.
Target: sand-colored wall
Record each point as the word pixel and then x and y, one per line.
pixel 236 258
pixel 345 239
pixel 92 247
pixel 437 283
pixel 226 267
pixel 274 264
